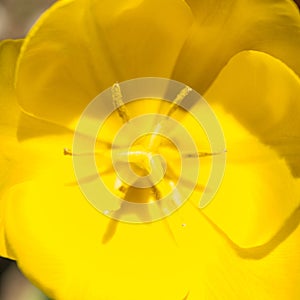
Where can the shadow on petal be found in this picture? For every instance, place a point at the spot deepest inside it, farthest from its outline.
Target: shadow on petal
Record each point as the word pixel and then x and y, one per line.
pixel 30 127
pixel 264 250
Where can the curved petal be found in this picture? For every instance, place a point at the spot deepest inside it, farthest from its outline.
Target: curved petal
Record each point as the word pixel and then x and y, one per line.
pixel 260 190
pixel 248 275
pixel 264 96
pixel 22 160
pixel 73 252
pixel 224 28
pixel 16 162
pixel 78 48
pixel 9 51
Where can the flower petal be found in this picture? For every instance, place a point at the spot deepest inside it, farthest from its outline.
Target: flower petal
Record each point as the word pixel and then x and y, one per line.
pixel 78 48
pixel 22 161
pixel 260 190
pixel 18 163
pixel 264 96
pixel 266 273
pixel 72 251
pixel 224 28
pixel 9 51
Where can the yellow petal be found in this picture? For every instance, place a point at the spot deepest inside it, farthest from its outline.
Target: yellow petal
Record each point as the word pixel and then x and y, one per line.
pixel 22 161
pixel 264 96
pixel 224 28
pixel 78 48
pixel 73 252
pixel 270 272
pixel 9 51
pixel 17 163
pixel 15 126
pixel 261 188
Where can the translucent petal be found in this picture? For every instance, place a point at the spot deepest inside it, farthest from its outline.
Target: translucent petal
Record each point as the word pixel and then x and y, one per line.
pixel 9 109
pixel 260 190
pixel 72 252
pixel 264 96
pixel 78 48
pixel 221 270
pixel 9 51
pixel 16 162
pixel 224 28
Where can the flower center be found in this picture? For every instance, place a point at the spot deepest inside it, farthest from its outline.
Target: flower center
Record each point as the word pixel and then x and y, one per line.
pixel 147 156
pixel 137 148
pixel 144 170
pixel 141 162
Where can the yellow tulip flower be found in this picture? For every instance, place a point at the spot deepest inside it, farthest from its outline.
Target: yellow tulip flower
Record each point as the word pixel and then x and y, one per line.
pixel 243 57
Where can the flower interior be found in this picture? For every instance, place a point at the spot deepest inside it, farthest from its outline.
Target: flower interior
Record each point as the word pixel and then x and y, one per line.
pixel 153 157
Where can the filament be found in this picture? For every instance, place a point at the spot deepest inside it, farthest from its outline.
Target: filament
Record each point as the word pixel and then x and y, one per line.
pixel 203 154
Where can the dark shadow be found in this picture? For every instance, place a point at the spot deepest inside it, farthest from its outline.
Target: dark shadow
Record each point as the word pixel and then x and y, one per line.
pixel 88 179
pixel 282 137
pixel 30 127
pixel 110 231
pixel 288 147
pixel 4 263
pixel 262 251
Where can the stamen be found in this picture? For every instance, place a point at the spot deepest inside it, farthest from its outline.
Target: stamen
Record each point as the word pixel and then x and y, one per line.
pixel 156 192
pixel 68 151
pixel 118 102
pixel 203 154
pixel 155 139
pixel 181 95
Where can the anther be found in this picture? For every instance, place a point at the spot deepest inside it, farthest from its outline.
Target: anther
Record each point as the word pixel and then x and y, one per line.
pixel 118 102
pixel 181 95
pixel 156 192
pixel 67 151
